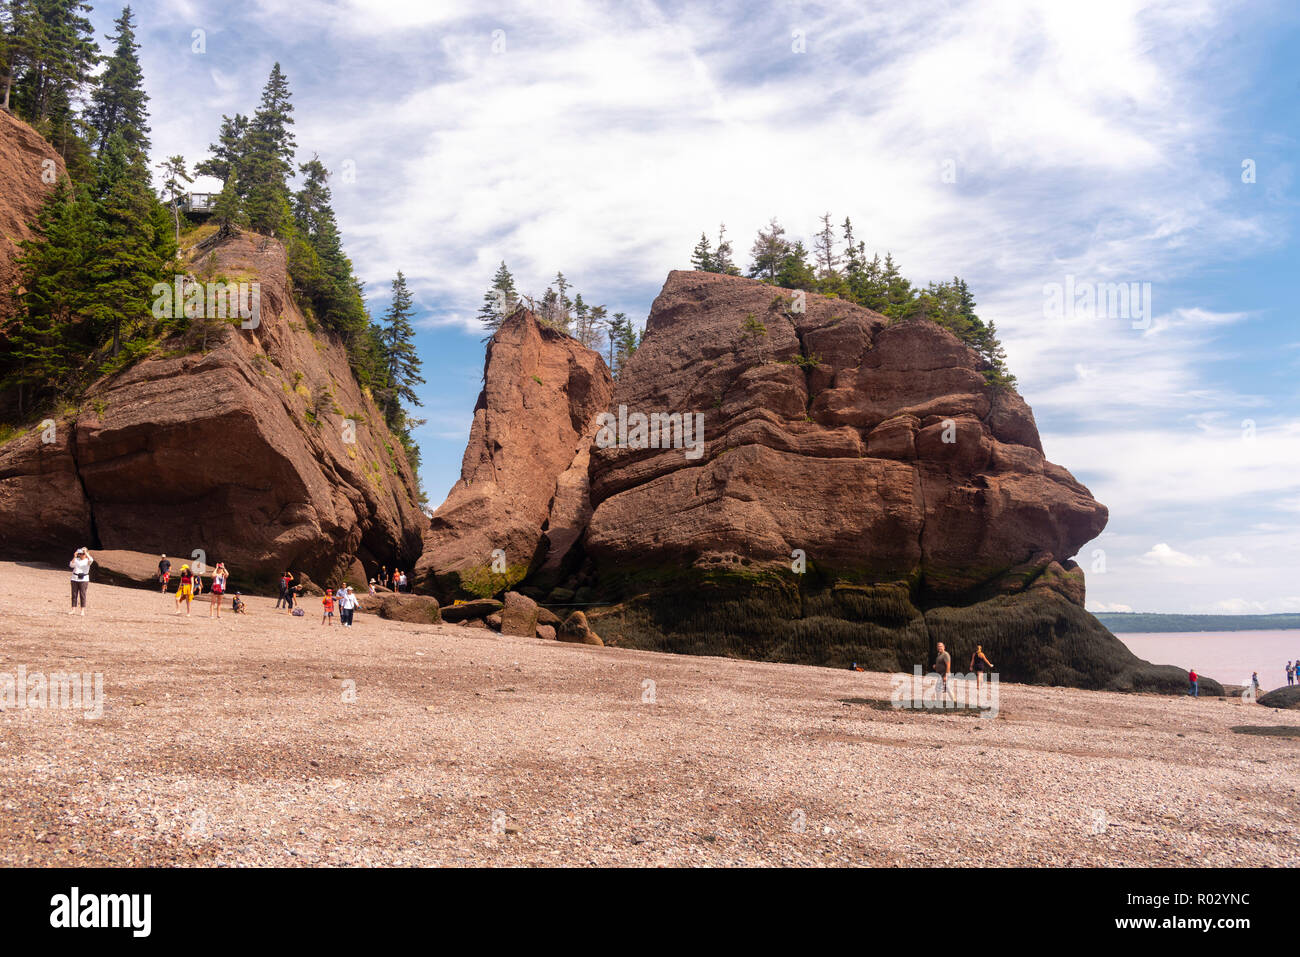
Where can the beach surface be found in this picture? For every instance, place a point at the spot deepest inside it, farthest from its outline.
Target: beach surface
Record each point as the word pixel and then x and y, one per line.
pixel 272 740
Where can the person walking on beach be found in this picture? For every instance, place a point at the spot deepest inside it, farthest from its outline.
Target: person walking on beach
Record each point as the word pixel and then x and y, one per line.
pixel 1254 682
pixel 80 566
pixel 943 665
pixel 328 616
pixel 219 576
pixel 185 590
pixel 347 606
pixel 1193 682
pixel 979 664
pixel 285 581
pixel 164 572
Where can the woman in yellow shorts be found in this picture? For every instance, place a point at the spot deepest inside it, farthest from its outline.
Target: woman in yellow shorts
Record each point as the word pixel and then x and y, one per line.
pixel 185 590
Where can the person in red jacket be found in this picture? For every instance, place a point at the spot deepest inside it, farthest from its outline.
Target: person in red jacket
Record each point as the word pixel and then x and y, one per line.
pixel 1192 679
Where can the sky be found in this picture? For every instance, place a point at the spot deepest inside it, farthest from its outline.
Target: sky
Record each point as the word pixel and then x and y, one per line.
pixel 1043 151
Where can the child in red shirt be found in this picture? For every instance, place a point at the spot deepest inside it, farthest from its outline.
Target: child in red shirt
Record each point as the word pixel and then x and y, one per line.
pixel 328 602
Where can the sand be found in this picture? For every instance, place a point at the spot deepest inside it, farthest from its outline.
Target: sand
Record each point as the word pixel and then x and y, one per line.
pixel 239 742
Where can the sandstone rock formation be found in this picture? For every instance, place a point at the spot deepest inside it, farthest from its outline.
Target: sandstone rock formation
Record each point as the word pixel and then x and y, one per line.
pixel 523 478
pixel 577 630
pixel 863 493
pixel 261 451
pixel 417 609
pixel 519 617
pixel 29 168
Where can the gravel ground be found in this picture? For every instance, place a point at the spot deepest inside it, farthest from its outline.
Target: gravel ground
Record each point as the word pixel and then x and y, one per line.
pixel 236 742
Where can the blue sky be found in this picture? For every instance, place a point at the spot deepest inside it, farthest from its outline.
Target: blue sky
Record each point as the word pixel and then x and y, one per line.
pixel 1022 145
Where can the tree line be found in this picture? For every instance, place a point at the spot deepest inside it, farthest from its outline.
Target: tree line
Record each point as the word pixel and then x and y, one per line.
pixel 613 336
pixel 837 265
pixel 104 238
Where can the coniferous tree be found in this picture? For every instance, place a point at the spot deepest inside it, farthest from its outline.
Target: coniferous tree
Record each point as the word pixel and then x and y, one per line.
pixel 702 256
pixel 824 250
pixel 119 103
pixel 226 153
pixel 268 158
pixel 129 256
pixel 60 54
pixel 20 42
pixel 722 261
pixel 769 252
pixel 401 360
pixel 499 301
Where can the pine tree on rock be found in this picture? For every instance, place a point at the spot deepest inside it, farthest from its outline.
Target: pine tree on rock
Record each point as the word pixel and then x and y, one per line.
pixel 702 257
pixel 499 301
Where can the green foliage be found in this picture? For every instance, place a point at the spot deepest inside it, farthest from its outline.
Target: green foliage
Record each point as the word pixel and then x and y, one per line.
pixel 877 284
pixel 119 104
pixel 499 301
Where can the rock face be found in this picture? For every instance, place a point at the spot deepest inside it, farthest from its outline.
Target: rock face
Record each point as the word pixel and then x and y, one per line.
pixel 262 451
pixel 863 493
pixel 524 475
pixel 29 168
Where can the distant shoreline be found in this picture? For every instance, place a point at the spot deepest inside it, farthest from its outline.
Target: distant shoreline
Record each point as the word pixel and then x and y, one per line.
pixel 1145 623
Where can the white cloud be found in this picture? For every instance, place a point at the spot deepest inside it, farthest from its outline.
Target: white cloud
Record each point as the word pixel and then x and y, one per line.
pixel 1162 554
pixel 1101 606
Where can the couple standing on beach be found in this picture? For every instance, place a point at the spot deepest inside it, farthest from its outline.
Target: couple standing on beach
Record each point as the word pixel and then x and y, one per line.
pixel 979 663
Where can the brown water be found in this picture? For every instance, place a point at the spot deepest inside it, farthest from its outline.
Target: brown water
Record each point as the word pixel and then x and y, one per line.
pixel 1228 656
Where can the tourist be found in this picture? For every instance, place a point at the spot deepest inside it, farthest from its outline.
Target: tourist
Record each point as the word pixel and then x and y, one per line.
pixel 1254 682
pixel 978 664
pixel 348 607
pixel 1193 681
pixel 1290 673
pixel 328 616
pixel 198 580
pixel 289 592
pixel 185 590
pixel 383 576
pixel 80 566
pixel 285 581
pixel 373 590
pixel 401 582
pixel 396 574
pixel 164 572
pixel 238 605
pixel 219 575
pixel 943 665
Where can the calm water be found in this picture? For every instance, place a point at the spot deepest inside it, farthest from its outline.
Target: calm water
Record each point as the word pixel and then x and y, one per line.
pixel 1229 656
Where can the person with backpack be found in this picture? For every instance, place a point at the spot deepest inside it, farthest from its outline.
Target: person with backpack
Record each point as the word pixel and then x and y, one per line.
pixel 164 572
pixel 80 566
